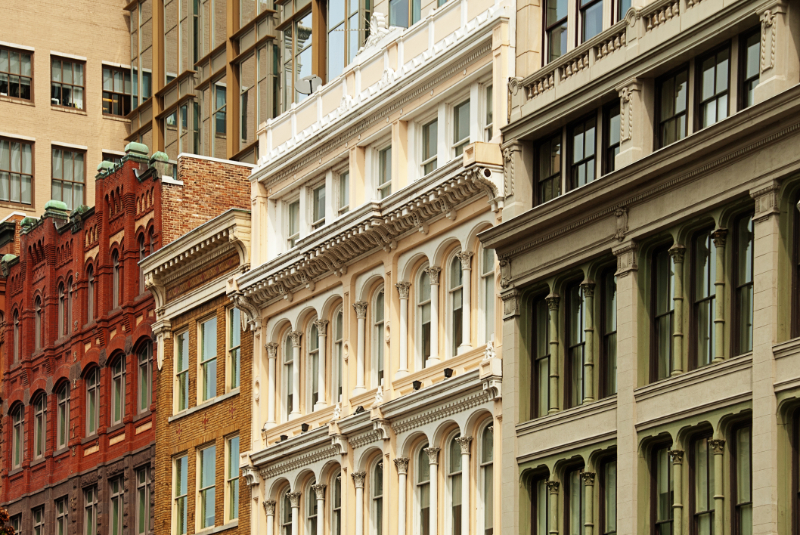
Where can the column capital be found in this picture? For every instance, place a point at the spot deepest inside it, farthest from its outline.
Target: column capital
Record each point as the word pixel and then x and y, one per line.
pixel 466 260
pixel 677 252
pixel 294 499
pixel 717 446
pixel 322 327
pixel 552 302
pixel 433 274
pixel 552 486
pixel 403 289
pixel 295 336
pixel 511 299
pixel 401 463
pixel 359 478
pixel 433 455
pixel 319 490
pixel 272 350
pixel 627 256
pixel 676 456
pixel 361 309
pixel 719 236
pixel 588 478
pixel 464 442
pixel 767 199
pixel 269 507
pixel 588 288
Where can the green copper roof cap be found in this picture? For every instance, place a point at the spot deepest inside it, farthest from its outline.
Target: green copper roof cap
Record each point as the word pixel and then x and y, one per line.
pixel 105 165
pixel 136 149
pixel 8 257
pixel 159 157
pixel 28 221
pixel 56 205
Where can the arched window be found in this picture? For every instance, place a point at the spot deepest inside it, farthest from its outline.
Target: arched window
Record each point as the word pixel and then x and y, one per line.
pixel 116 290
pixel 487 296
pixel 37 323
pixel 69 293
pixel 338 355
pixel 424 490
pixel 311 509
pixel 92 401
pixel 62 307
pixel 486 479
pixel 16 336
pixel 454 484
pixel 288 374
pixel 39 426
pixel 145 376
pixel 118 390
pixel 576 341
pixel 456 290
pixel 313 366
pixel 377 499
pixel 62 418
pixel 423 317
pixel 336 504
pixel 17 436
pixel 286 514
pixel 378 336
pixel 142 255
pixel 90 294
pixel 574 502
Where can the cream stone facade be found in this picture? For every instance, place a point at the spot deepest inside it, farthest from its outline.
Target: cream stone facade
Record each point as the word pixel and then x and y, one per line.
pixel 648 256
pixel 377 369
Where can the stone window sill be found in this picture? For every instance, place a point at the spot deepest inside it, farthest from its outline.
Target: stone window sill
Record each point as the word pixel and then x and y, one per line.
pixel 218 529
pixel 65 109
pixel 116 118
pixel 13 100
pixel 204 405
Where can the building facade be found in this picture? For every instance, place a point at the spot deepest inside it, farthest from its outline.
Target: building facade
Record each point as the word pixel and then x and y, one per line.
pixel 377 375
pixel 206 407
pixel 649 277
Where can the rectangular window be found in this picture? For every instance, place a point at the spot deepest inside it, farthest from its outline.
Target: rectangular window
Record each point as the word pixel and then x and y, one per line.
pixel 232 479
pixel 297 58
pixel 591 18
pixel 742 483
pixel 663 307
pixel 702 461
pixel 16 523
pixel 608 327
pixel 582 139
pixel 575 506
pixel 538 496
pixel 744 284
pixel 142 501
pixel 16 171
pixel 403 13
pixel 549 182
pixel 384 172
pixel 344 193
pixel 38 521
pixel 66 83
pixel 69 177
pixel 555 28
pixel 575 345
pixel 318 207
pixel 15 73
pixel 661 491
pixel 460 127
pixel 117 390
pixel 608 498
pixel 182 372
pixel 750 67
pixel 611 138
pixel 430 143
pixel 206 491
pixel 90 511
pixel 488 120
pixel 540 399
pixel 713 83
pixel 116 91
pixel 179 492
pixel 220 105
pixel 294 223
pixel 234 346
pixel 117 507
pixel 424 311
pixel 673 101
pixel 62 516
pixel 345 34
pixel 208 358
pixel 704 292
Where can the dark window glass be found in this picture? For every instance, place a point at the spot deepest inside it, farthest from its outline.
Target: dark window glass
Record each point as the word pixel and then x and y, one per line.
pixel 744 284
pixel 702 459
pixel 549 186
pixel 661 491
pixel 67 84
pixel 663 307
pixel 116 91
pixel 69 177
pixel 574 515
pixel 591 18
pixel 750 52
pixel 673 100
pixel 576 341
pixel 540 387
pixel 538 503
pixel 16 171
pixel 15 73
pixel 622 8
pixel 713 82
pixel 612 137
pixel 742 481
pixel 608 498
pixel 704 291
pixel 556 28
pixel 608 297
pixel 582 145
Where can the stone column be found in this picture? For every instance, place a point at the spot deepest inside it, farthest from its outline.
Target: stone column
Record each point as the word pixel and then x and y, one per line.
pixel 677 252
pixel 552 522
pixel 627 365
pixel 552 306
pixel 588 500
pixel 361 315
pixel 718 447
pixel 319 490
pixel 588 329
pixel 358 480
pixel 466 484
pixel 272 354
pixel 506 511
pixel 269 508
pixel 295 336
pixel 719 236
pixel 779 42
pixel 466 322
pixel 403 289
pixel 402 473
pixel 322 331
pixel 676 456
pixel 294 500
pixel 433 275
pixel 433 458
pixel 635 122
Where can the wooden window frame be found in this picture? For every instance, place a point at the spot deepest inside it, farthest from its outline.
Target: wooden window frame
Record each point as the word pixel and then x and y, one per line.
pixel 142 499
pixel 90 500
pixel 591 160
pixel 736 302
pixel 62 415
pixel 696 302
pixel 557 177
pixel 659 120
pixel 110 95
pixel 601 482
pixel 581 504
pixel 12 50
pixel 698 85
pixel 74 62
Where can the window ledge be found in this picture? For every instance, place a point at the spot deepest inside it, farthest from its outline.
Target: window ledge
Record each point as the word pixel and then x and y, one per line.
pixel 218 529
pixel 119 118
pixel 90 438
pixel 142 415
pixel 115 427
pixel 567 415
pixel 13 100
pixel 68 110
pixel 786 349
pixel 62 451
pixel 204 405
pixel 15 471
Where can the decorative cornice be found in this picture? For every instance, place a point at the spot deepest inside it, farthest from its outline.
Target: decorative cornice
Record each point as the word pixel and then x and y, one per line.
pixel 297 461
pixel 441 412
pixel 363 439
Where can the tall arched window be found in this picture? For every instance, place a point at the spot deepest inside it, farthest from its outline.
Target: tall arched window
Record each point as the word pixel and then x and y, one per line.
pixel 424 490
pixel 118 390
pixel 338 355
pixel 311 509
pixel 37 323
pixel 313 366
pixel 423 317
pixel 69 293
pixel 454 484
pixel 145 377
pixel 378 336
pixel 62 417
pixel 286 514
pixel 576 341
pixel 92 401
pixel 288 374
pixel 142 255
pixel 90 294
pixel 486 479
pixel 487 295
pixel 115 280
pixel 456 290
pixel 39 426
pixel 377 499
pixel 336 504
pixel 62 307
pixel 17 436
pixel 16 336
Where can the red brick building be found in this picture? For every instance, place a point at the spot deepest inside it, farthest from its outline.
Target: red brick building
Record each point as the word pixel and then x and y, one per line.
pixel 78 370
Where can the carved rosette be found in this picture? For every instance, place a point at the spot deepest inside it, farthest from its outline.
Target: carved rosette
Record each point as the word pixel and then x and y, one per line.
pixel 361 309
pixel 322 327
pixel 464 442
pixel 588 478
pixel 319 490
pixel 433 455
pixel 403 289
pixel 676 456
pixel 466 260
pixel 359 478
pixel 717 446
pixel 269 507
pixel 401 463
pixel 272 350
pixel 433 274
pixel 294 499
pixel 295 336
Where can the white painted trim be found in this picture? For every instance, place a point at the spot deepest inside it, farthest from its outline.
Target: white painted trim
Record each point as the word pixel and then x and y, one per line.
pixel 12 214
pixel 64 55
pixel 112 64
pixel 117 152
pixel 69 145
pixel 20 47
pixel 166 179
pixel 219 160
pixel 17 136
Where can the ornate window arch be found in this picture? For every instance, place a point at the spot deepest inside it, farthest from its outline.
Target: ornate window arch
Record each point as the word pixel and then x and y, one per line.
pixel 422 315
pixel 39 425
pixel 337 358
pixel 378 336
pixel 62 415
pixel 117 390
pixel 455 303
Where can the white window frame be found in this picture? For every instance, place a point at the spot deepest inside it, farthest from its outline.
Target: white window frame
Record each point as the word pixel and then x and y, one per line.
pixel 462 142
pixel 378 342
pixel 231 321
pixel 312 350
pixel 200 489
pixel 202 359
pixel 373 166
pixel 286 218
pixel 177 497
pixel 310 505
pixel 284 523
pixel 146 375
pixel 487 102
pixel 337 360
pixel 231 478
pixel 177 350
pixel 485 319
pixel 449 478
pixel 312 189
pixel 417 288
pixel 287 373
pixel 481 509
pixel 451 343
pixel 417 516
pixel 91 426
pixel 342 209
